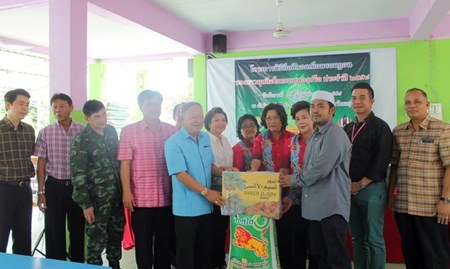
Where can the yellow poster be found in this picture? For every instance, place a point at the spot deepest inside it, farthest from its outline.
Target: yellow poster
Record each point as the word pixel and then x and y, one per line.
pixel 254 193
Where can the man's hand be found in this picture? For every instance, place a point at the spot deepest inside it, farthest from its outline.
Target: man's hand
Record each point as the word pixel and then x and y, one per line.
pixel 443 212
pixel 286 204
pixel 284 179
pixel 42 202
pixel 128 201
pixel 355 188
pixel 215 197
pixel 89 215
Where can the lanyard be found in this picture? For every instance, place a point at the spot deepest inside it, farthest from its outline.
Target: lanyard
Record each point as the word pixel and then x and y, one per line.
pixel 354 135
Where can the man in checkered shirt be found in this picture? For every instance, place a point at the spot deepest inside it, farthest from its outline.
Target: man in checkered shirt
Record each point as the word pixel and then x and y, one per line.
pixel 419 187
pixel 16 169
pixel 55 195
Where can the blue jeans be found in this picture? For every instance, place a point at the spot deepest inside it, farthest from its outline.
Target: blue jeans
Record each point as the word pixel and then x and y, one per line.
pixel 366 225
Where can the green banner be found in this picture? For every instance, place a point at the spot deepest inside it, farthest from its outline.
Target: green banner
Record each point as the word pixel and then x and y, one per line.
pixel 259 82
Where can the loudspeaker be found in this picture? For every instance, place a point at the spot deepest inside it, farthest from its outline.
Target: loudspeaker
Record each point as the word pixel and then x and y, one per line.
pixel 219 44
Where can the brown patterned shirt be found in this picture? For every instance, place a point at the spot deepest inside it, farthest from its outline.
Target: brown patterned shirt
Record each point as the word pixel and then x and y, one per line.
pixel 16 148
pixel 421 158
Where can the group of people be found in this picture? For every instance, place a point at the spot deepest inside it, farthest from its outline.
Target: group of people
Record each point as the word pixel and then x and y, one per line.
pixel 85 178
pixel 170 178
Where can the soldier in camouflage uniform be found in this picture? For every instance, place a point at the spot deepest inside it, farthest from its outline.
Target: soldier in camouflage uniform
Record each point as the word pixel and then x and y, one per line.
pixel 96 185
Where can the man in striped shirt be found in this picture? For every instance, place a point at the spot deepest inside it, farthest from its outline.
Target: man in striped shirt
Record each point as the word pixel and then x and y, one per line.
pixel 55 196
pixel 421 175
pixel 147 190
pixel 16 169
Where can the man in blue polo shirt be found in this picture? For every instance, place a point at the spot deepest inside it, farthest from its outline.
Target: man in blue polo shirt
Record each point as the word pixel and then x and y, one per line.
pixel 190 162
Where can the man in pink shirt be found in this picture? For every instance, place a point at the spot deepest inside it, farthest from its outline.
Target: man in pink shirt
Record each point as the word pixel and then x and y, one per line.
pixel 147 190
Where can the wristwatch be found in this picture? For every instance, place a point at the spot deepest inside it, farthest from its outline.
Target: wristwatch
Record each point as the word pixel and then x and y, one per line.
pixel 204 191
pixel 445 200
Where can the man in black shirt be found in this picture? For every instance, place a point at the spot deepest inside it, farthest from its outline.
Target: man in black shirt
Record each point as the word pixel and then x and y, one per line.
pixel 371 153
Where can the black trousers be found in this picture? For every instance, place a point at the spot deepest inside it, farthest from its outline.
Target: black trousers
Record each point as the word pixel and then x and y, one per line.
pixel 328 243
pixel 424 242
pixel 220 224
pixel 292 236
pixel 194 241
pixel 15 215
pixel 152 228
pixel 60 207
pixel 173 244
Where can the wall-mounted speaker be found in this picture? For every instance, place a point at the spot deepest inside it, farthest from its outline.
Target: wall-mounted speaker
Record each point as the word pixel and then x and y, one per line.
pixel 219 43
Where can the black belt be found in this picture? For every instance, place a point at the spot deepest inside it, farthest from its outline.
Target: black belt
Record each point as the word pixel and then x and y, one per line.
pixel 65 182
pixel 18 183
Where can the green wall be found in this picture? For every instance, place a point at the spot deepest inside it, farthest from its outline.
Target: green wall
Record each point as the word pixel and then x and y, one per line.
pixel 200 79
pixel 96 72
pixel 420 64
pixel 78 116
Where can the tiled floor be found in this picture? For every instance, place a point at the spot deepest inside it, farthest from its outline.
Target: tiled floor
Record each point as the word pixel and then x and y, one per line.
pixel 128 260
pixel 129 263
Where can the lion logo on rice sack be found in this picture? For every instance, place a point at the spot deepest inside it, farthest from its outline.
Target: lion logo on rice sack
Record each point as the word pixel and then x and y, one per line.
pixel 243 238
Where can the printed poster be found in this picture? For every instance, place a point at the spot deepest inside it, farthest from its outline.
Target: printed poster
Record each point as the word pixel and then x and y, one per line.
pixel 256 193
pixel 287 80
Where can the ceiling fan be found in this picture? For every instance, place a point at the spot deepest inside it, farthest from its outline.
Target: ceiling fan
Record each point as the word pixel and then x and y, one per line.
pixel 279 32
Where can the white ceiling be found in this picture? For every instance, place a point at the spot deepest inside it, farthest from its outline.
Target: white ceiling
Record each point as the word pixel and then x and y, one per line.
pixel 106 38
pixel 250 15
pixel 114 37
